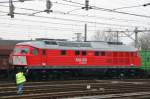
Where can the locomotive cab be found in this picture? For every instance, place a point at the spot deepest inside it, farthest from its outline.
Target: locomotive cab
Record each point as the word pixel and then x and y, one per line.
pixel 19 55
pixel 26 56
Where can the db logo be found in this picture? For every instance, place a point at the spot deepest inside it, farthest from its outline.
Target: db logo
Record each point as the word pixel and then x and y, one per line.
pixel 81 60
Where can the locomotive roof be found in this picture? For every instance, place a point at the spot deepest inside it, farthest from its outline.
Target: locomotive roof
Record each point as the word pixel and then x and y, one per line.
pixel 102 46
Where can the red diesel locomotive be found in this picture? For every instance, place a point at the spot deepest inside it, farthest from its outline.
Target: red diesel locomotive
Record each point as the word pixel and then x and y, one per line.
pixel 75 58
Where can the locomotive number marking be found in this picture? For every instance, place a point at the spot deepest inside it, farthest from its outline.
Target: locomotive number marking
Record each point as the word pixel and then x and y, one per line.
pixel 81 60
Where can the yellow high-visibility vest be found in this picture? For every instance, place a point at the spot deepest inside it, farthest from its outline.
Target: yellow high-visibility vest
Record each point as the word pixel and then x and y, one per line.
pixel 20 78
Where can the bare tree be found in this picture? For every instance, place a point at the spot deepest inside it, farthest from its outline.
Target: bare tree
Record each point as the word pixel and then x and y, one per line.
pixel 107 36
pixel 144 42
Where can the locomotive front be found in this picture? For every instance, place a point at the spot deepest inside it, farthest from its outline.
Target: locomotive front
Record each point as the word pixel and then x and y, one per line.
pixel 18 57
pixel 25 55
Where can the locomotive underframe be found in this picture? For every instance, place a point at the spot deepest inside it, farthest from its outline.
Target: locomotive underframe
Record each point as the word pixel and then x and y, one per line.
pixel 55 73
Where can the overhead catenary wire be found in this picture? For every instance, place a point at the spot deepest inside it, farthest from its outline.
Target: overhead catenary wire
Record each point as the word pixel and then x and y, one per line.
pixel 15 1
pixel 59 12
pixel 67 4
pixel 87 15
pixel 97 8
pixel 35 21
pixel 109 10
pixel 73 10
pixel 41 27
pixel 74 20
pixel 65 19
pixel 64 13
pixel 2 15
pixel 75 15
pixel 71 20
pixel 3 2
pixel 3 11
pixel 20 8
pixel 36 26
pixel 59 23
pixel 127 7
pixel 74 2
pixel 112 19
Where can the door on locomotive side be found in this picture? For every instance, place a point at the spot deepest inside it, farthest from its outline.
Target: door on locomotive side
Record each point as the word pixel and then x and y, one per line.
pixel 44 57
pixel 34 59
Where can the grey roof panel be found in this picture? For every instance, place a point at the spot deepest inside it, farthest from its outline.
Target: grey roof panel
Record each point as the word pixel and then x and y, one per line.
pixel 102 46
pixel 74 44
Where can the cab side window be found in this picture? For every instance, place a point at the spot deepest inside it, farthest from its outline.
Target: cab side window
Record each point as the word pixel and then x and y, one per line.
pixel 96 53
pixel 104 53
pixel 24 51
pixel 77 52
pixel 16 51
pixel 83 53
pixel 63 52
pixel 34 52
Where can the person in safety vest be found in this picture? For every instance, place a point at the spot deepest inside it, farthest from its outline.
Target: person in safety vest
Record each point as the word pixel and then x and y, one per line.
pixel 20 80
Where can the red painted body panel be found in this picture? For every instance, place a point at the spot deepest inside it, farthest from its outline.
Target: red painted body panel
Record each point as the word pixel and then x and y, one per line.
pixel 53 57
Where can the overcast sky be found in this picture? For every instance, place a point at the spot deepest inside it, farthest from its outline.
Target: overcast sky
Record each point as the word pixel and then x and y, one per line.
pixel 68 18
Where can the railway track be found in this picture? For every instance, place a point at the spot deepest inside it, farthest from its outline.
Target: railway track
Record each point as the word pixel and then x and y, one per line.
pixel 133 95
pixel 63 89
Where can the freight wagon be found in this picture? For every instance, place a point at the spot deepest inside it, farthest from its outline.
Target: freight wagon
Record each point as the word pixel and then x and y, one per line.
pixel 145 59
pixel 6 47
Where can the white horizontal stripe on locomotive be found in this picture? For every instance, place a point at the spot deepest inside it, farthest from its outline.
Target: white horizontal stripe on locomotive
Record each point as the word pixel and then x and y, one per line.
pixel 19 60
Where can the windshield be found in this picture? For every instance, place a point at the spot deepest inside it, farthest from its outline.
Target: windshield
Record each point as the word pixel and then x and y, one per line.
pixel 24 51
pixel 16 51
